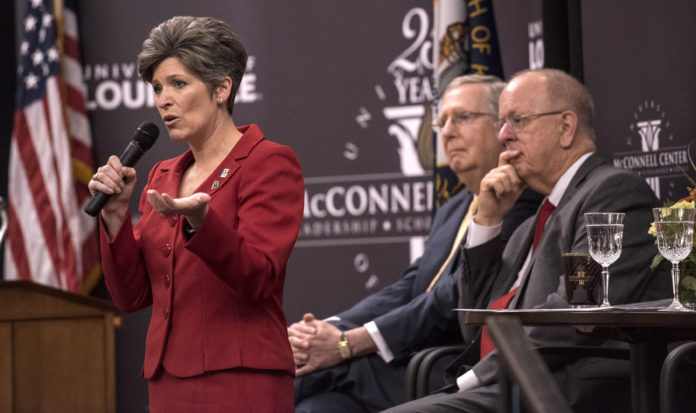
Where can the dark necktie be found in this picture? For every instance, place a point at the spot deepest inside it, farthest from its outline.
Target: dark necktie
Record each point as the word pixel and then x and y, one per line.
pixel 502 302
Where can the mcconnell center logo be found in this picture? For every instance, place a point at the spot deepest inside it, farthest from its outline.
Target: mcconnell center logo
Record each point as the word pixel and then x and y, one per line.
pixel 360 211
pixel 386 207
pixel 653 153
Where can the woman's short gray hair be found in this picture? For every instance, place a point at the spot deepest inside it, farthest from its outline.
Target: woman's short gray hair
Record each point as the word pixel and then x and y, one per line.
pixel 205 45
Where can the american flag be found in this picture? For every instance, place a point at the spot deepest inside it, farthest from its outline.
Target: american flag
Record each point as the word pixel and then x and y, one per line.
pixel 49 239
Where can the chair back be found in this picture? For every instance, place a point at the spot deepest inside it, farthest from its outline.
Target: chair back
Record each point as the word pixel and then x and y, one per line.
pixel 522 365
pixel 681 360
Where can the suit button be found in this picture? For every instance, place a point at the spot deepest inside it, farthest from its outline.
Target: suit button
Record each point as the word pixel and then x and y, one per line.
pixel 166 249
pixel 167 280
pixel 165 312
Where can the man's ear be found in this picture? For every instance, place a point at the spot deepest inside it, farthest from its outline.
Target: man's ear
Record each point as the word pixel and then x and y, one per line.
pixel 568 127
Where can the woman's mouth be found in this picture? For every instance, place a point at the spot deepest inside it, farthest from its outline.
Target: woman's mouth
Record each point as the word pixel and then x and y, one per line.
pixel 169 119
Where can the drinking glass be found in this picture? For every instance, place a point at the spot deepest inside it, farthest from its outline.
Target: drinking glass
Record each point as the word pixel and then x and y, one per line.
pixel 675 237
pixel 605 237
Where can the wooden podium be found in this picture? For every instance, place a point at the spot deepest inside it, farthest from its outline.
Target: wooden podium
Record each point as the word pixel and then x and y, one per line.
pixel 56 351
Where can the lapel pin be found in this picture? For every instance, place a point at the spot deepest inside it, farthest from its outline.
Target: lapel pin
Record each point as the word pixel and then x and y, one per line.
pixel 224 173
pixel 215 185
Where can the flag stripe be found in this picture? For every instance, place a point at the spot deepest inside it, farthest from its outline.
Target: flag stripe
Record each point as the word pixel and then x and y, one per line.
pixel 69 20
pixel 73 76
pixel 75 100
pixel 17 250
pixel 70 45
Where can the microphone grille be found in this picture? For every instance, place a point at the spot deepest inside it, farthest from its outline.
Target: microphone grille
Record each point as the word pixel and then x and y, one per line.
pixel 146 135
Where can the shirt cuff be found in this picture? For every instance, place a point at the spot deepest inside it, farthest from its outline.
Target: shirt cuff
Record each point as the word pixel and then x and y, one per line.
pixel 479 234
pixel 382 347
pixel 468 381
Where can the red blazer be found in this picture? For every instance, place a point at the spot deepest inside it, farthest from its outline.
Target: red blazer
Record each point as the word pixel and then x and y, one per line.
pixel 216 298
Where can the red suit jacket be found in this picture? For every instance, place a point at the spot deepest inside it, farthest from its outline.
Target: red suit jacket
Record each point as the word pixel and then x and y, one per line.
pixel 217 297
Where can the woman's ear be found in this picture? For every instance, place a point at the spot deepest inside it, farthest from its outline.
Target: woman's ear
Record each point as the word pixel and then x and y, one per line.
pixel 224 89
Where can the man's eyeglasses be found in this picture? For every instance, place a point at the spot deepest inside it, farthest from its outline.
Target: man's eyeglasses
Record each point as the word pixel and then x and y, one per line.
pixel 459 119
pixel 519 122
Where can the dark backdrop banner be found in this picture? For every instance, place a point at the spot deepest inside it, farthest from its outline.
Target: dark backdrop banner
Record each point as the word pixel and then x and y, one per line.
pixel 520 34
pixel 642 79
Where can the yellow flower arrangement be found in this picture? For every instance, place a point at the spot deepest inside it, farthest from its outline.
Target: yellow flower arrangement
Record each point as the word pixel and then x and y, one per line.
pixel 687 268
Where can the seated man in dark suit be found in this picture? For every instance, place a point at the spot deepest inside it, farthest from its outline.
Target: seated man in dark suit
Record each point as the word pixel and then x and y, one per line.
pixel 356 361
pixel 547 128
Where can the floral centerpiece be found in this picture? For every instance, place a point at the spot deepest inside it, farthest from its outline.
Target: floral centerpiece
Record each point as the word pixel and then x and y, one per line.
pixel 687 268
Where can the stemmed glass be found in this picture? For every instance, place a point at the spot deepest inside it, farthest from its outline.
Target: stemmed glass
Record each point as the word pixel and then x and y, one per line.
pixel 675 237
pixel 605 236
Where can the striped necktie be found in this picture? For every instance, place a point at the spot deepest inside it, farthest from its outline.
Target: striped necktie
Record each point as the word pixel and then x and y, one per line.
pixel 457 240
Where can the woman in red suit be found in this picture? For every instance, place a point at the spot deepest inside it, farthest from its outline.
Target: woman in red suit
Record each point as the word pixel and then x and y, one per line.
pixel 218 224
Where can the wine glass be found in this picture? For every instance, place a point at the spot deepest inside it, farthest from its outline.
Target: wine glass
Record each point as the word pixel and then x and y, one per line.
pixel 605 236
pixel 675 237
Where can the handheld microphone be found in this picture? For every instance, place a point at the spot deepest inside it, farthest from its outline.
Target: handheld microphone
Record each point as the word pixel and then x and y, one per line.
pixel 143 139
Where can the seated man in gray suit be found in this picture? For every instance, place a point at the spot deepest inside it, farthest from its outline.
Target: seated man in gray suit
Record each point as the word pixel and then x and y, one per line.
pixel 547 128
pixel 356 361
